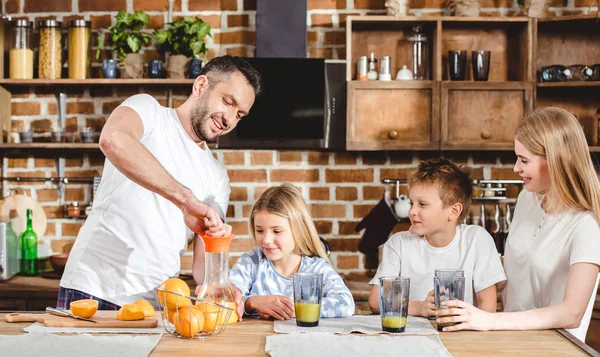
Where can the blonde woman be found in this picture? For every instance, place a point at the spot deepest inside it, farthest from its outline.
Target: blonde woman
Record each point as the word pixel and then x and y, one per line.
pixel 288 243
pixel 553 249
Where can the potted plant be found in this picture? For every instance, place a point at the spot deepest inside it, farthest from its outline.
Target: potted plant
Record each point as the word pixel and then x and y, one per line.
pixel 534 8
pixel 127 39
pixel 469 8
pixel 184 40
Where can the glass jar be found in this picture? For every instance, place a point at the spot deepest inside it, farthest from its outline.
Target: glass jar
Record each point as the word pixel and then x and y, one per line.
pixel 420 53
pixel 50 55
pixel 20 53
pixel 79 49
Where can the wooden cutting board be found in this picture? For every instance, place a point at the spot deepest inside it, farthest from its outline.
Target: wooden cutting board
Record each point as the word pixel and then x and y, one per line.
pixel 104 318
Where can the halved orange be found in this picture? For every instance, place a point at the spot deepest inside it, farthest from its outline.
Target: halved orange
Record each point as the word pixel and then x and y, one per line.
pixel 146 307
pixel 84 308
pixel 130 312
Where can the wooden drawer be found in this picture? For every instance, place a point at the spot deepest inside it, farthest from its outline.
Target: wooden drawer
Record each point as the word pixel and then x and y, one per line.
pixel 483 115
pixel 13 305
pixel 393 115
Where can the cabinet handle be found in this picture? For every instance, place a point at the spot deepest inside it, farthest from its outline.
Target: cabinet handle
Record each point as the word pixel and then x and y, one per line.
pixel 486 135
pixel 393 134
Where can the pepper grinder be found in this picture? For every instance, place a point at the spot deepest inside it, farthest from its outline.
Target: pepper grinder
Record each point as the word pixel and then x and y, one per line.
pixel 372 74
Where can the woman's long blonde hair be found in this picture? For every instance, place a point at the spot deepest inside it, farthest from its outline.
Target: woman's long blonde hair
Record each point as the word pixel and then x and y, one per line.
pixel 557 135
pixel 286 201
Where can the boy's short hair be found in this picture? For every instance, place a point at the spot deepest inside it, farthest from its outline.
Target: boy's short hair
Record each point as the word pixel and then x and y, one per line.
pixel 453 182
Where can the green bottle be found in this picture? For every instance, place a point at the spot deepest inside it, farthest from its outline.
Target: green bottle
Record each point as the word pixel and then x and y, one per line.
pixel 29 242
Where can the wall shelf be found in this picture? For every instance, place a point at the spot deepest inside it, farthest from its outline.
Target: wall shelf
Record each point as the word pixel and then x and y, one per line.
pixel 568 84
pixel 93 81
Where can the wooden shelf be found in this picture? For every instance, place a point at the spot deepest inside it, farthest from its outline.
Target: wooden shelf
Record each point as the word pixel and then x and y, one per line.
pixel 93 81
pixel 392 84
pixel 53 146
pixel 568 84
pixel 594 148
pixel 487 85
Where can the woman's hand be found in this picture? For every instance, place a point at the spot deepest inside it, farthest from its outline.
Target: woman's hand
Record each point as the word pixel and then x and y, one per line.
pixel 468 317
pixel 279 307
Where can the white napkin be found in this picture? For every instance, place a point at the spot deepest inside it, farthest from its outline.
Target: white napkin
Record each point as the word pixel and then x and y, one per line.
pixel 369 324
pixel 332 345
pixel 49 345
pixel 41 328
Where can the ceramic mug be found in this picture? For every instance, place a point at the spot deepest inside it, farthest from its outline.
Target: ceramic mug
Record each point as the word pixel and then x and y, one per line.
pixel 402 206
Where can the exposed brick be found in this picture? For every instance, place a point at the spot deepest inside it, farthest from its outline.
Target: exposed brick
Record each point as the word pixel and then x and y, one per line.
pixel 326 4
pixel 18 162
pixel 54 211
pixel 346 193
pixel 436 4
pixel 70 229
pixel 321 20
pixel 334 38
pixel 47 6
pixel 44 162
pixel 326 53
pixel 238 21
pixel 374 158
pixel 95 123
pixel 155 22
pixel 249 5
pixel 261 158
pixel 395 173
pixel 361 211
pixel 458 157
pixel 341 52
pixel 237 51
pixel 347 261
pixel 150 5
pixel 241 37
pixel 42 125
pixel 503 174
pixel 318 158
pixel 82 173
pixel 74 162
pixel 107 107
pixel 347 228
pixel 358 175
pixel 96 159
pixel 25 108
pixel 213 20
pixel 318 193
pixel 242 244
pixel 312 37
pixel 401 157
pixel 12 6
pixel 290 157
pixel 101 22
pixel 344 244
pixel 343 17
pixel 71 125
pixel 345 158
pixel 246 210
pixel 80 108
pixel 373 192
pixel 104 5
pixel 238 194
pixel 233 158
pixel 230 211
pixel 74 194
pixel 47 195
pixel 324 227
pixel 305 175
pixel 475 173
pixel 17 125
pixel 26 174
pixel 327 211
pixel 60 245
pixel 247 175
pixel 239 228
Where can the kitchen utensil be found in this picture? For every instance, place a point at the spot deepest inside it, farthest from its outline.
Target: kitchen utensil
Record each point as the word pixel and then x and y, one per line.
pixel 103 318
pixel 498 234
pixel 66 313
pixel 482 216
pixel 58 262
pixel 481 65
pixel 457 65
pixel 393 302
pixel 404 74
pixel 21 204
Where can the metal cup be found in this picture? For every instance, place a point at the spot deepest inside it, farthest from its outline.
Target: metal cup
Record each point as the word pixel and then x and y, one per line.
pixel 393 302
pixel 448 285
pixel 308 291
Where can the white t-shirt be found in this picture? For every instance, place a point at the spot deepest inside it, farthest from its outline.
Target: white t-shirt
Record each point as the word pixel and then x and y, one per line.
pixel 472 250
pixel 539 252
pixel 133 238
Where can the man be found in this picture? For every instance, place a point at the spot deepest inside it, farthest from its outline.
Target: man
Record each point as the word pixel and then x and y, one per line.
pixel 160 185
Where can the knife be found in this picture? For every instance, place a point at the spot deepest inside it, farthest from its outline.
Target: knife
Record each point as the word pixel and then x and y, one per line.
pixel 57 312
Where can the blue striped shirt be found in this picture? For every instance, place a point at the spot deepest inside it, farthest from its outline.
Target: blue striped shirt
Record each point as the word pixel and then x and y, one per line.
pixel 255 275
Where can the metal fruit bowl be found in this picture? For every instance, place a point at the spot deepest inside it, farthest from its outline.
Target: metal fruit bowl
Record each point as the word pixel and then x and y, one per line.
pixel 192 317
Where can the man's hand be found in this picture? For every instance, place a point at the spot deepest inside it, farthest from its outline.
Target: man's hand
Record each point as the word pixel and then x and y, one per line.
pixel 279 307
pixel 200 217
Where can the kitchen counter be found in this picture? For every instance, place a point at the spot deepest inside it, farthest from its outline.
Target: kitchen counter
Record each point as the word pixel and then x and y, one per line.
pixel 28 293
pixel 248 339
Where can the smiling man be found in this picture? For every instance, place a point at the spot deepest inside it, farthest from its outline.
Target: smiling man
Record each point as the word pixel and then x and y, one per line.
pixel 160 185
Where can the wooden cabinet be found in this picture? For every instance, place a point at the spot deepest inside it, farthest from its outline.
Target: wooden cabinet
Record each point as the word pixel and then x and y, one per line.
pixel 22 293
pixel 437 113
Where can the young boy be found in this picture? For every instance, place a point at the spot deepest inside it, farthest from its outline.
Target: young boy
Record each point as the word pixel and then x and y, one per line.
pixel 440 195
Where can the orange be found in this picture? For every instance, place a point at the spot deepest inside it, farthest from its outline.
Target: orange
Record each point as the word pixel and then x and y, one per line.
pixel 174 285
pixel 169 314
pixel 188 321
pixel 130 312
pixel 210 321
pixel 208 308
pixel 233 317
pixel 84 308
pixel 204 307
pixel 146 307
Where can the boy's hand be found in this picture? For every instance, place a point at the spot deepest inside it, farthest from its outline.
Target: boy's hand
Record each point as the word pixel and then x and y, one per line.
pixel 279 307
pixel 426 307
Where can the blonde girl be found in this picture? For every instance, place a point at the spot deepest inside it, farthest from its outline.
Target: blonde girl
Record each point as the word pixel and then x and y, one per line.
pixel 287 243
pixel 553 249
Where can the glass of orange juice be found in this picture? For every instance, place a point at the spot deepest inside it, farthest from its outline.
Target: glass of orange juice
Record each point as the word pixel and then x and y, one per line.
pixel 393 302
pixel 448 284
pixel 308 291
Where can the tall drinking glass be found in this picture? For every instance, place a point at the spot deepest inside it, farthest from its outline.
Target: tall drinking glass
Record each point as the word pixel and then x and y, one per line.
pixel 308 291
pixel 393 302
pixel 448 284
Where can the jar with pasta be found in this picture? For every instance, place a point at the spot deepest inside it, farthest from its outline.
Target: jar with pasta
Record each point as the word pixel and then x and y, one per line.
pixel 79 49
pixel 50 53
pixel 20 55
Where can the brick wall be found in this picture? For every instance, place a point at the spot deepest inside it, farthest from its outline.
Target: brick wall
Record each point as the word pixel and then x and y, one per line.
pixel 341 188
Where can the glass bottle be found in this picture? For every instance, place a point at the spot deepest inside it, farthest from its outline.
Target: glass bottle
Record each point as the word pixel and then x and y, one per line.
pixel 13 246
pixel 79 49
pixel 216 287
pixel 420 53
pixel 29 241
pixel 372 74
pixel 20 53
pixel 50 53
